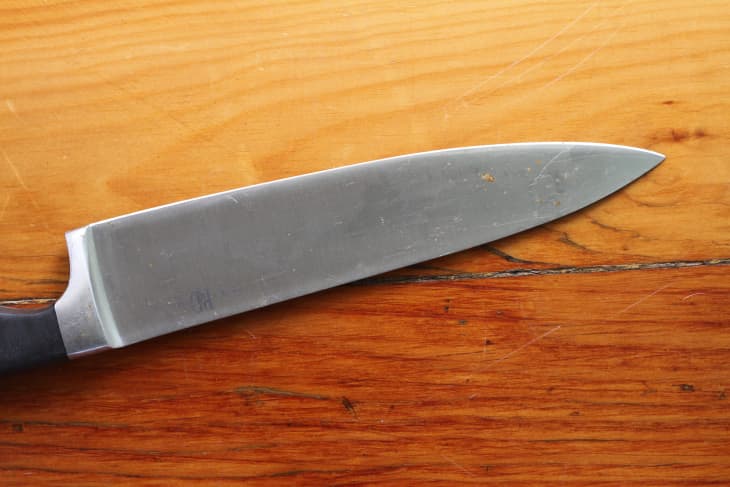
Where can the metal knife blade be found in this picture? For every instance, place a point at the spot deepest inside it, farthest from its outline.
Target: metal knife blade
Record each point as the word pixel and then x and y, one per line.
pixel 161 270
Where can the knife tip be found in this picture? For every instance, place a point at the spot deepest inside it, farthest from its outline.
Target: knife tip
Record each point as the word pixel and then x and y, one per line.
pixel 654 158
pixel 648 159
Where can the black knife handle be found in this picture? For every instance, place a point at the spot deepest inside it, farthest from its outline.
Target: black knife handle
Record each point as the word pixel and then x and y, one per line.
pixel 28 338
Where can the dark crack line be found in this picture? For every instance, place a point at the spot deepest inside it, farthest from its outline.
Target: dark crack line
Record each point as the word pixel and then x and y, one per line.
pixel 473 276
pixel 24 301
pixel 511 258
pixel 270 391
pixel 131 475
pixel 467 276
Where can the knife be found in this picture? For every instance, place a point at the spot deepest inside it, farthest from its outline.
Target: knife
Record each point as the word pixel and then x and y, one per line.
pixel 153 272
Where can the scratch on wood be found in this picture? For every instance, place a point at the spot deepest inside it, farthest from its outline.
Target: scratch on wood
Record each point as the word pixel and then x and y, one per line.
pixel 627 308
pixel 5 206
pixel 535 66
pixel 582 61
pixel 15 170
pixel 522 347
pixel 11 108
pixel 520 60
pixel 692 295
pixel 456 464
pixel 23 185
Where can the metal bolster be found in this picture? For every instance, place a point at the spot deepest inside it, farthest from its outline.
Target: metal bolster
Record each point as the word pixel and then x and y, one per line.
pixel 79 319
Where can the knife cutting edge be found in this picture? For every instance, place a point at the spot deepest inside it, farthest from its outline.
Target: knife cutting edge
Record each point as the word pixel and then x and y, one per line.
pixel 153 272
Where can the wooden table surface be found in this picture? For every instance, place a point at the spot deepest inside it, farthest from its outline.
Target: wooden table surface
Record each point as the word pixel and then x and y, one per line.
pixel 593 350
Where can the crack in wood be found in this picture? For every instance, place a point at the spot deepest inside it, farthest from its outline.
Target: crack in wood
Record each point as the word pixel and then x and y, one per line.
pixel 465 276
pixel 261 390
pixel 472 276
pixel 220 478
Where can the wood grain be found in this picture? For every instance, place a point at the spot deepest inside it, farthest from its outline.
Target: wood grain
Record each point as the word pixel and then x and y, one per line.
pixel 593 350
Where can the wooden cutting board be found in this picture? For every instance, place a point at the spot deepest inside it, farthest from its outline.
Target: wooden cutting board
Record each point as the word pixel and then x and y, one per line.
pixel 593 350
